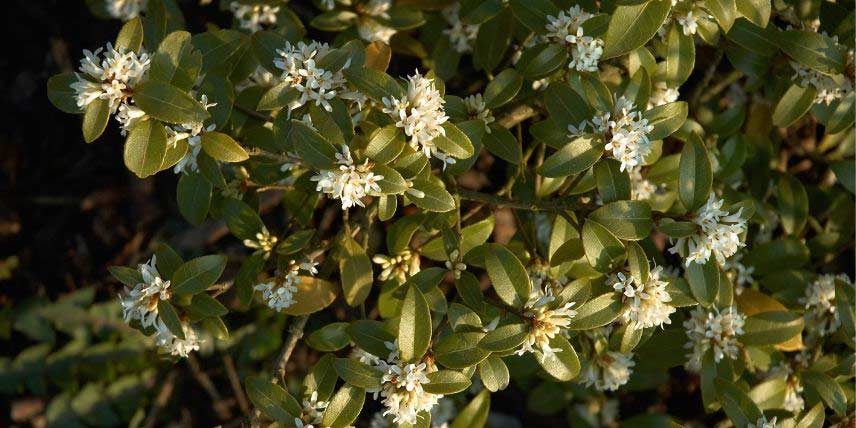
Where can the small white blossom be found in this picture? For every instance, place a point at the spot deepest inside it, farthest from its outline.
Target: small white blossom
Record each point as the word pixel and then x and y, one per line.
pixel 455 264
pixel 738 273
pixel 477 109
pixel 715 331
pixel 719 234
pixel 192 133
pixel 820 314
pixel 141 302
pixel 420 113
pixel 688 23
pixel 315 84
pixel 254 17
pixel 544 322
pixel 561 28
pixel 400 267
pixel 264 242
pixel 461 36
pixel 371 30
pixel 626 132
pixel 279 291
pixel 763 422
pixel 640 188
pixel 829 88
pixel 645 304
pixel 312 412
pixel 172 344
pixel 608 370
pixel 125 10
pixel 662 94
pixel 111 76
pixel 350 183
pixel 585 53
pixel 566 29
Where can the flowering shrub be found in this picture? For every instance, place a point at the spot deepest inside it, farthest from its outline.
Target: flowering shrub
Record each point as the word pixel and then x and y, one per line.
pixel 622 213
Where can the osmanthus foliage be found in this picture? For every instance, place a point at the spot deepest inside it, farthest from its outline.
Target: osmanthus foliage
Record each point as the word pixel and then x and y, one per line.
pixel 565 199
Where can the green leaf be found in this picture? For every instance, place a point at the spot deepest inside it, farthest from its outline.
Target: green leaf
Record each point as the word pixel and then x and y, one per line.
pixel 169 316
pixel 176 61
pixel 474 415
pixel 638 88
pixel 455 142
pixel 272 400
pixel 666 119
pixel 565 106
pixel 828 389
pixel 574 158
pixel 128 276
pixel 792 204
pixel 704 281
pixel 281 95
pixel 813 50
pixel 207 306
pixel 793 105
pixel 571 250
pixel 386 144
pixel 724 11
pixel 358 374
pixel 502 143
pixel 193 195
pixel 295 242
pixel 507 274
pixel 677 229
pixel 696 176
pixel 434 198
pixel 330 338
pixel 223 148
pixel 154 23
pixel 598 312
pixel 680 58
pixel 370 336
pixel 446 382
pixel 198 274
pixel 131 35
pixel 264 45
pixel 493 373
pixel 167 103
pixel 95 118
pixel 757 11
pixel 603 250
pixel 145 148
pixel 638 262
pixel 61 94
pixel 772 256
pixel 564 365
pixel 502 88
pixel 737 405
pixel 313 294
pixel 492 41
pixel 814 418
pixel 541 60
pixel 843 115
pixel 221 49
pixel 628 220
pixel 460 350
pixel 771 328
pixel 322 378
pixel 344 407
pixel 355 269
pixel 414 327
pixel 377 85
pixel 632 26
pixel 533 13
pixel 241 220
pixel 312 147
pixel 505 337
pixel 612 183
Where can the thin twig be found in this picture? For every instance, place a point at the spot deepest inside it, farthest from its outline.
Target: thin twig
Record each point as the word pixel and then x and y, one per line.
pixel 295 332
pixel 235 382
pixel 207 384
pixel 252 113
pixel 160 401
pixel 516 115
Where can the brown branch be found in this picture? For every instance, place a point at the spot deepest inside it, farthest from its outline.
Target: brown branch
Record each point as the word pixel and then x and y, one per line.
pixel 295 332
pixel 516 115
pixel 235 382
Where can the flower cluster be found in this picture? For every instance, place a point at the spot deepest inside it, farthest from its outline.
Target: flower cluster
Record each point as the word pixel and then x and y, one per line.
pixel 820 314
pixel 640 188
pixel 279 291
pixel 421 114
pixel 141 302
pixel 174 345
pixel 608 370
pixel 254 17
pixel 192 133
pixel 111 76
pixel 125 10
pixel 311 413
pixel 646 303
pixel 567 29
pixel 828 87
pixel 719 234
pixel 315 84
pixel 545 322
pixel 625 130
pixel 399 267
pixel 715 331
pixel 662 94
pixel 350 183
pixel 477 110
pixel 264 242
pixel 369 28
pixel 763 422
pixel 738 273
pixel 461 36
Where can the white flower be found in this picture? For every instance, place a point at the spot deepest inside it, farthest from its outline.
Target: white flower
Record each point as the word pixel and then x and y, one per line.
pixel 129 115
pixel 192 133
pixel 172 344
pixel 461 36
pixel 662 94
pixel 279 291
pixel 252 17
pixel 315 84
pixel 125 10
pixel 585 53
pixel 141 302
pixel 646 304
pixel 402 266
pixel 312 412
pixel 455 264
pixel 402 392
pixel 640 188
pixel 110 76
pixel 264 242
pixel 364 357
pixel 371 30
pixel 608 370
pixel 715 330
pixel 350 182
pixel 689 23
pixel 740 274
pixel 544 322
pixel 821 317
pixel 567 30
pixel 260 77
pixel 829 88
pixel 764 423
pixel 420 113
pixel 626 132
pixel 477 109
pixel 542 279
pixel 719 234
